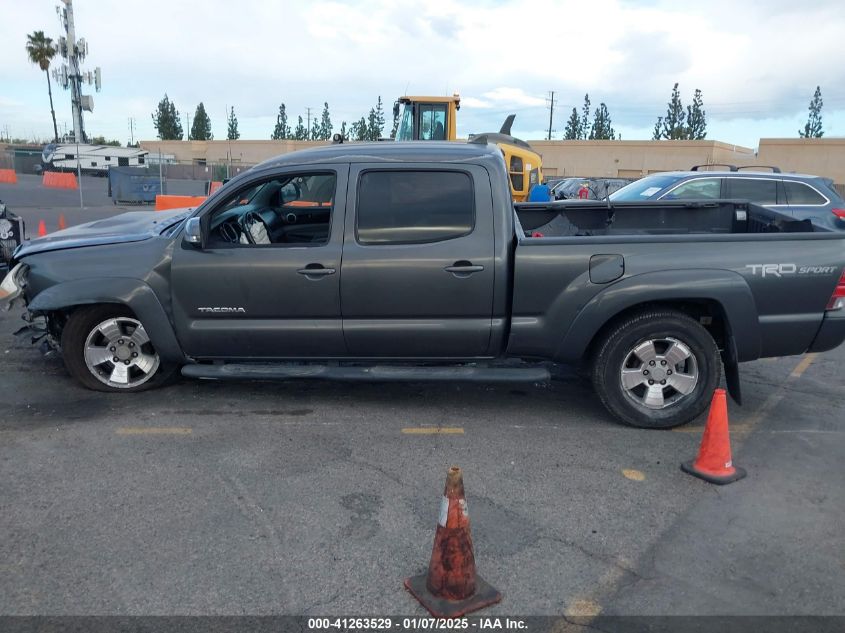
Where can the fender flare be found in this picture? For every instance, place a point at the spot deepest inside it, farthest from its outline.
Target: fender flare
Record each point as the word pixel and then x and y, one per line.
pixel 726 288
pixel 133 293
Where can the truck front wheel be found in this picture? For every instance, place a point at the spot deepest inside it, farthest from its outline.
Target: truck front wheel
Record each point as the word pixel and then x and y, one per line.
pixel 107 349
pixel 656 369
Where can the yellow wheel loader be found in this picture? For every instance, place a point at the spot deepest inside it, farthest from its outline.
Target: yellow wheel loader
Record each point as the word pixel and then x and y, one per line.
pixel 435 119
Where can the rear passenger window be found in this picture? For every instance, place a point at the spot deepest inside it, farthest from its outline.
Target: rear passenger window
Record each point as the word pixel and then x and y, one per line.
pixel 414 207
pixel 710 188
pixel 799 193
pixel 754 189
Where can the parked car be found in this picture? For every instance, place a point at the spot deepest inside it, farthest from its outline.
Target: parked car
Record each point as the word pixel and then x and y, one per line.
pixel 409 261
pixel 587 188
pixel 800 195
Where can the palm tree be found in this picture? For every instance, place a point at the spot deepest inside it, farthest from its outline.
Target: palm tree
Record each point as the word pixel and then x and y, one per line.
pixel 41 51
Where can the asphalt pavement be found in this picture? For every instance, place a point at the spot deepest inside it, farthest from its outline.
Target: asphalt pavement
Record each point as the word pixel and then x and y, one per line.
pixel 320 498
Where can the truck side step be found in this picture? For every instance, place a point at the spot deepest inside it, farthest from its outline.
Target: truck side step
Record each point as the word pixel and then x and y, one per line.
pixel 390 373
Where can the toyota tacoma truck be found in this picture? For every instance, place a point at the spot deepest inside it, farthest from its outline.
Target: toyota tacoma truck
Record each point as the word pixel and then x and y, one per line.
pixel 410 261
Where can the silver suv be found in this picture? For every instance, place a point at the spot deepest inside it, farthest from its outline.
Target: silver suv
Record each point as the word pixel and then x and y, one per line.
pixel 801 195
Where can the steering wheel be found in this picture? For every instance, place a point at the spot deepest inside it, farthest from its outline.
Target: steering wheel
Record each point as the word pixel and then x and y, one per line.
pixel 255 228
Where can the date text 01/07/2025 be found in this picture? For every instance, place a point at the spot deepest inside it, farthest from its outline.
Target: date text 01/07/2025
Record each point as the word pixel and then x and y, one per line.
pixel 416 624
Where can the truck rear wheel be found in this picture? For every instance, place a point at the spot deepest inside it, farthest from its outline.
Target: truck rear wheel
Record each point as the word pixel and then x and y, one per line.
pixel 106 348
pixel 656 369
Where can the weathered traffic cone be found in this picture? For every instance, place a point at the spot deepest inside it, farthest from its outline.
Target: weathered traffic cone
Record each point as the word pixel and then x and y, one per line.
pixel 42 228
pixel 62 223
pixel 451 588
pixel 714 463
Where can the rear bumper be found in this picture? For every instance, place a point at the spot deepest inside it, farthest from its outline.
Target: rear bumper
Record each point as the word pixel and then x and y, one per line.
pixel 831 334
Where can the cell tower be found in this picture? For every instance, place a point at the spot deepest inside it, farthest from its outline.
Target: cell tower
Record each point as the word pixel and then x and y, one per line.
pixel 70 76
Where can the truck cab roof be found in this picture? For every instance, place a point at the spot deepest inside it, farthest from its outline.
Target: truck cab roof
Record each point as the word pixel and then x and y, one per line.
pixel 387 151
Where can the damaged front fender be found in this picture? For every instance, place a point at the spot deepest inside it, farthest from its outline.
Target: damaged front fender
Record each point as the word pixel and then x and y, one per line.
pixel 133 293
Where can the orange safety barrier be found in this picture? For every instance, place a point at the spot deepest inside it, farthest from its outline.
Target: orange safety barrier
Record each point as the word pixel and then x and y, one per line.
pixel 306 203
pixel 59 180
pixel 177 202
pixel 8 176
pixel 214 186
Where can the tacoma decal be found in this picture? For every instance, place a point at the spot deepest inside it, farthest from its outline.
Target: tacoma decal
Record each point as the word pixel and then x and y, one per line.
pixel 219 310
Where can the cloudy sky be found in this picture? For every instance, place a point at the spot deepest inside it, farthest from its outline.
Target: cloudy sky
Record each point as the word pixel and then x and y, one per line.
pixel 756 62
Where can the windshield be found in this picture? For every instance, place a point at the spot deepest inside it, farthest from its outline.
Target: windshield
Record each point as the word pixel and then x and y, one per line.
pixel 560 186
pixel 643 189
pixel 406 123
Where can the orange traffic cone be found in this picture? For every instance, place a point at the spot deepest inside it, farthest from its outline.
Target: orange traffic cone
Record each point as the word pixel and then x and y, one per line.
pixel 451 588
pixel 62 223
pixel 42 228
pixel 714 463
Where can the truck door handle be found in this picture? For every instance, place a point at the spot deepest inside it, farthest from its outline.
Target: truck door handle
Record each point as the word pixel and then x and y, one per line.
pixel 316 270
pixel 463 269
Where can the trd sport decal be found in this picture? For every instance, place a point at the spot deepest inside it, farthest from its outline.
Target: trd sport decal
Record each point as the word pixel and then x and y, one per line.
pixel 779 270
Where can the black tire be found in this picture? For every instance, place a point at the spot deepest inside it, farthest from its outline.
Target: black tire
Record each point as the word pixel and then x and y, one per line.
pixel 616 350
pixel 74 335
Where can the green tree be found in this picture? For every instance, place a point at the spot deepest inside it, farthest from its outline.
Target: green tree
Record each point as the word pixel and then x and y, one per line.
pixel 101 140
pixel 41 51
pixel 201 128
pixel 373 132
pixel 657 129
pixel 166 120
pixel 358 130
pixel 314 134
pixel 601 129
pixel 326 126
pixel 573 126
pixel 696 118
pixel 282 129
pixel 300 133
pixel 343 130
pixel 395 127
pixel 672 126
pixel 232 131
pixel 584 125
pixel 813 128
pixel 378 127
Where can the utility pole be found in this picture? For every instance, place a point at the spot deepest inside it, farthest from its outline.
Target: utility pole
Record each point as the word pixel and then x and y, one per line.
pixel 308 127
pixel 131 130
pixel 551 112
pixel 79 174
pixel 187 126
pixel 69 75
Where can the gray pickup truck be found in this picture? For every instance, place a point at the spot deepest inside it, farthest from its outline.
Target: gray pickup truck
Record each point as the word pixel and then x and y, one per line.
pixel 406 261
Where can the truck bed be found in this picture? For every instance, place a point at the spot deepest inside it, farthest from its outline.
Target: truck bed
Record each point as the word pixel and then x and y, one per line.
pixel 598 218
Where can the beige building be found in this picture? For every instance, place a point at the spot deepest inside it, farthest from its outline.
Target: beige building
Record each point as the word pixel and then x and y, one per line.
pixel 625 159
pixel 238 152
pixel 634 159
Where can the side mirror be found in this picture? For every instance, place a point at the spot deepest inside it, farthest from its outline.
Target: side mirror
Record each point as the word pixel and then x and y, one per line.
pixel 193 231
